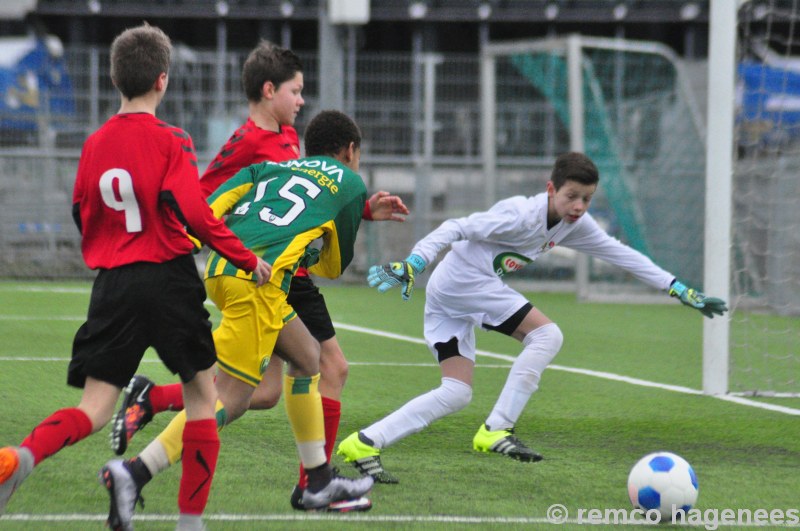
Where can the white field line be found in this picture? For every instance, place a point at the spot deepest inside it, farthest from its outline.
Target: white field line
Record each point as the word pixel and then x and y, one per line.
pixel 357 363
pixel 306 517
pixel 45 289
pixel 400 337
pixel 587 372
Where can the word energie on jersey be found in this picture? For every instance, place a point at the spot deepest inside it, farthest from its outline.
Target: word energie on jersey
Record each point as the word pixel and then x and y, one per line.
pixel 309 167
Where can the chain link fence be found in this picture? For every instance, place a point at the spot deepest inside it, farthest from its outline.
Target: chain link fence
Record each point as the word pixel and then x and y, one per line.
pixel 433 161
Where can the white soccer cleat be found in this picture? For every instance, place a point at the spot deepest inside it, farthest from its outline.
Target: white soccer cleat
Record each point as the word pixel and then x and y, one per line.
pixel 338 489
pixel 123 493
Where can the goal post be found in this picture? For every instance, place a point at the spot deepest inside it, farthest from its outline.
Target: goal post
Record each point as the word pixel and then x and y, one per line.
pixel 719 189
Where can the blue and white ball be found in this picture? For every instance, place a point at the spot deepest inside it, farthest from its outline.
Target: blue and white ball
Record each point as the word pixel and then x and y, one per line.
pixel 660 481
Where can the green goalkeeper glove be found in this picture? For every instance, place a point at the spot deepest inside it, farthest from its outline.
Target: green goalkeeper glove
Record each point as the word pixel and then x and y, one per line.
pixel 394 274
pixel 709 306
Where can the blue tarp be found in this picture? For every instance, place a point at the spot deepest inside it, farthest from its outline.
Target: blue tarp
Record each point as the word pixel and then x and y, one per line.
pixel 34 83
pixel 769 102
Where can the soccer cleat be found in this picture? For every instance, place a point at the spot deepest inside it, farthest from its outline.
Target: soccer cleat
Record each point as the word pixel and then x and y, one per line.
pixel 360 504
pixel 296 498
pixel 134 413
pixel 15 465
pixel 338 489
pixel 345 506
pixel 503 442
pixel 123 492
pixel 366 459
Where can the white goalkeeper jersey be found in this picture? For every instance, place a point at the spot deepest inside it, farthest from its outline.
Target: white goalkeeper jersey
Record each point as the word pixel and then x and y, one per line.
pixel 514 233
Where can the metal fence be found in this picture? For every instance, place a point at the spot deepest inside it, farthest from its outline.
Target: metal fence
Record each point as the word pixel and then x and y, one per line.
pixel 428 153
pixel 205 98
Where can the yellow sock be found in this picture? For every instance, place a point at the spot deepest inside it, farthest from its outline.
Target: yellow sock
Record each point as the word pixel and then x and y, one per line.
pixel 172 436
pixel 304 409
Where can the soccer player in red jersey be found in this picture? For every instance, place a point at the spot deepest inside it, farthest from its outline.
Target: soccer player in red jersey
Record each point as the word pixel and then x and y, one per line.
pixel 278 209
pixel 272 79
pixel 136 195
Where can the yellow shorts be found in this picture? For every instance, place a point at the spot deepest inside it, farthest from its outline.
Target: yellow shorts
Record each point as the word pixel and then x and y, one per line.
pixel 252 318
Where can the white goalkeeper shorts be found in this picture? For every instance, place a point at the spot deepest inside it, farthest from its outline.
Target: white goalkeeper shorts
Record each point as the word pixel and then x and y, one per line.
pixel 455 305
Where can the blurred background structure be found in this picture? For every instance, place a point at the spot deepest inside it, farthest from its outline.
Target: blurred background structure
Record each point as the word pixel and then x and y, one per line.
pixel 409 71
pixel 461 102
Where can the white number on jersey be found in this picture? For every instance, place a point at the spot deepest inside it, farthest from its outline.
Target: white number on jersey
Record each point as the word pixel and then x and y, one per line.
pixel 127 199
pixel 285 191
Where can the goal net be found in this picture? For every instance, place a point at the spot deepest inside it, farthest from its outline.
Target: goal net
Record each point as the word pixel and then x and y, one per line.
pixel 628 105
pixel 634 109
pixel 765 260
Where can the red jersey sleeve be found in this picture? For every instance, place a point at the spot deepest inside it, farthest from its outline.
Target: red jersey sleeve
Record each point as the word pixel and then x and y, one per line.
pixel 182 192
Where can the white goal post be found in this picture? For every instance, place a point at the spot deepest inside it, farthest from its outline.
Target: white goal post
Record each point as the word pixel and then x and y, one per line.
pixel 719 190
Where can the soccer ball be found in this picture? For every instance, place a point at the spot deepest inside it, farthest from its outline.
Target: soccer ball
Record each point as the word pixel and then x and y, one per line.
pixel 660 481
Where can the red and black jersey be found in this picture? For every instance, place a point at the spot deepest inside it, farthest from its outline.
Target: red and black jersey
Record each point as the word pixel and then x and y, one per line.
pixel 136 193
pixel 249 145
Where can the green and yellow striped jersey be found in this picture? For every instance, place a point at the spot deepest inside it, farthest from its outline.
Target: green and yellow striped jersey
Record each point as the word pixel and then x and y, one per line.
pixel 278 208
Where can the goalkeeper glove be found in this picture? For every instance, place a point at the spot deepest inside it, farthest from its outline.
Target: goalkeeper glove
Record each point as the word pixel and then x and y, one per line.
pixel 709 306
pixel 396 274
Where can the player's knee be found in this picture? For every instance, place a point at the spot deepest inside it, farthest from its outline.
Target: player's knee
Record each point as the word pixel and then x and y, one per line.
pixel 265 398
pixel 234 408
pixel 334 367
pixel 335 375
pixel 305 362
pixel 456 394
pixel 548 337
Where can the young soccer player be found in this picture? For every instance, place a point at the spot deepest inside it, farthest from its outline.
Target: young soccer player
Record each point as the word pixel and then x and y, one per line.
pixel 277 209
pixel 467 291
pixel 136 194
pixel 272 79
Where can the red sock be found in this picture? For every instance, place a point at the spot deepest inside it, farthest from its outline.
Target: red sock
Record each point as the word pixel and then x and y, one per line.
pixel 332 411
pixel 199 460
pixel 63 428
pixel 166 397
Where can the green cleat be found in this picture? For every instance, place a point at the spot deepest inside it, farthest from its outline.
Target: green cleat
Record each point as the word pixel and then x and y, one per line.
pixel 503 442
pixel 366 459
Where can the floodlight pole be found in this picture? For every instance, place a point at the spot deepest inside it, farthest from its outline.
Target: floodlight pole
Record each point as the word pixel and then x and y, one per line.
pixel 576 141
pixel 423 164
pixel 331 63
pixel 488 125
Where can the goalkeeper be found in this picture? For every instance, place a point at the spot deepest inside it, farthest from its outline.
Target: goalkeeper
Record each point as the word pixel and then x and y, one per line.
pixel 467 291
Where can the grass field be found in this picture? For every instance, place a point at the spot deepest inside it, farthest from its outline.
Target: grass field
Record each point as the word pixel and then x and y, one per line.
pixel 590 426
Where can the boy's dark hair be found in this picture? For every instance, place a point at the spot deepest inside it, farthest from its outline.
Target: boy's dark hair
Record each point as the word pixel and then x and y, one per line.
pixel 138 56
pixel 574 166
pixel 268 62
pixel 329 132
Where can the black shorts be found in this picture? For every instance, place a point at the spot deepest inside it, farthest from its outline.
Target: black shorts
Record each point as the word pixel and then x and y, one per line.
pixel 508 326
pixel 310 306
pixel 138 306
